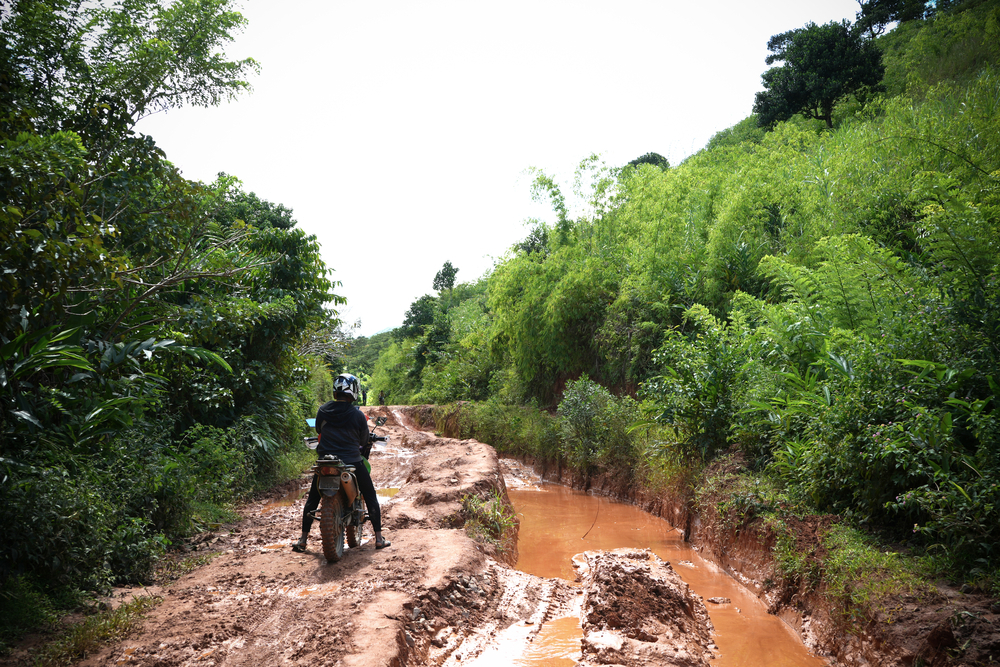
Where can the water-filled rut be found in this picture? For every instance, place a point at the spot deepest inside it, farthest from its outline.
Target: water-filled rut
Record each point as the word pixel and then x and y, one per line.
pixel 558 522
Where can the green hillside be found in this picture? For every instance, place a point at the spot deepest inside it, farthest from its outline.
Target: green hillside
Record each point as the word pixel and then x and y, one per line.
pixel 822 303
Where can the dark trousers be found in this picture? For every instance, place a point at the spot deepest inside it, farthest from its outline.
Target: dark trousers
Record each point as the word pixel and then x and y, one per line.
pixel 367 488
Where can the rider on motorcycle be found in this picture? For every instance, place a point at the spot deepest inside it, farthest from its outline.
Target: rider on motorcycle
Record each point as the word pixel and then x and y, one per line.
pixel 343 432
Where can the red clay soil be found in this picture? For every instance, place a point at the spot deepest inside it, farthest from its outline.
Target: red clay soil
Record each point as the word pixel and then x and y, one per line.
pixel 947 628
pixel 434 597
pixel 637 611
pixel 259 603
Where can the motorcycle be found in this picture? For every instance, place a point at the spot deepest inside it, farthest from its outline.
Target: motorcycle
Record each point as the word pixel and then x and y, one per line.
pixel 342 510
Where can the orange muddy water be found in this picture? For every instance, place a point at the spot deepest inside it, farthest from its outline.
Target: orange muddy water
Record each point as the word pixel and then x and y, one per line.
pixel 554 520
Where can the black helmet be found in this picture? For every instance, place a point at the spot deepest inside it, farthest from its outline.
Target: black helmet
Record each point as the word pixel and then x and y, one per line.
pixel 347 384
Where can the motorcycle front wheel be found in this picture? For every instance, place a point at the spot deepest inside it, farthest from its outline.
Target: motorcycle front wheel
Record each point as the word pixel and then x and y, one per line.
pixel 331 527
pixel 355 533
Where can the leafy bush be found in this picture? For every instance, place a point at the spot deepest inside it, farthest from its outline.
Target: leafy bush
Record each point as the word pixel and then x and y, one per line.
pixel 23 607
pixel 510 429
pixel 595 429
pixel 57 527
pixel 861 574
pixel 702 373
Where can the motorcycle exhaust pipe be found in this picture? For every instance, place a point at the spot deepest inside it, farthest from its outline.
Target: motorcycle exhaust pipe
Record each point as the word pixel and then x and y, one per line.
pixel 349 485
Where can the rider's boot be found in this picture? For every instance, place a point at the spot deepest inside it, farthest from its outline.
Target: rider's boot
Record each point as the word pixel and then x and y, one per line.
pixel 300 546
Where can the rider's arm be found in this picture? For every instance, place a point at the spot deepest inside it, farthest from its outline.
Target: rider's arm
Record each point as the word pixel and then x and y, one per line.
pixel 364 442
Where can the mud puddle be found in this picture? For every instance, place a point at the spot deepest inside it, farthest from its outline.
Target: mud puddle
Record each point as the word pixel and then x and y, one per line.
pixel 558 522
pixel 286 500
pixel 385 495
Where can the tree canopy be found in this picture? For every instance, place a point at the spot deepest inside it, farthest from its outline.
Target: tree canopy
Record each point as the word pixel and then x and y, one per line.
pixel 875 15
pixel 445 278
pixel 419 315
pixel 822 65
pixel 654 159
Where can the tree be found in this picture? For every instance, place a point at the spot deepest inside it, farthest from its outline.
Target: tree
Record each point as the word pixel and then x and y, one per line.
pixel 536 241
pixel 445 278
pixel 875 15
pixel 420 315
pixel 823 64
pixel 86 66
pixel 654 159
pixel 111 261
pixel 82 188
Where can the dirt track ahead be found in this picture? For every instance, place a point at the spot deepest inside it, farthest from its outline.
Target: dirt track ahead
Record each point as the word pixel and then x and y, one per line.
pixel 434 597
pixel 259 603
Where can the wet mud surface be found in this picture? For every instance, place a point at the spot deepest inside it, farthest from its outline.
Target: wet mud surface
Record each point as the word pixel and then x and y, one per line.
pixel 436 597
pixel 638 611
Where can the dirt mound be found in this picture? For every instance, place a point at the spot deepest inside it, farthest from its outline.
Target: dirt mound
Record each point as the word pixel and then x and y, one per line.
pixel 638 611
pixel 442 476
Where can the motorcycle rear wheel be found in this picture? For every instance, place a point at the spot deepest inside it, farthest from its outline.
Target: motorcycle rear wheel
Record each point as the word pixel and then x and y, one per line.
pixel 331 527
pixel 355 534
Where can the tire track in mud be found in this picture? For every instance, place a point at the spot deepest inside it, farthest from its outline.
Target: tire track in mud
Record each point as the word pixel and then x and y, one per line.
pixel 514 614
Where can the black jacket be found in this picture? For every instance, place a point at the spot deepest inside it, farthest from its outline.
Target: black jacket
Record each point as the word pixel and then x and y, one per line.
pixel 343 431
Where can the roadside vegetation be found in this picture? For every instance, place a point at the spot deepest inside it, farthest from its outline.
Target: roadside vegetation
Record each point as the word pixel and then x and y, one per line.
pixel 810 305
pixel 161 340
pixel 813 294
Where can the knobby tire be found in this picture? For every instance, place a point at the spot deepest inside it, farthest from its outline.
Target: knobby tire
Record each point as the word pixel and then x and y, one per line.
pixel 331 527
pixel 355 534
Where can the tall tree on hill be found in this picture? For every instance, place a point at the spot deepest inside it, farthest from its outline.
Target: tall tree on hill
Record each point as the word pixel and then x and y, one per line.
pixel 445 278
pixel 822 65
pixel 419 316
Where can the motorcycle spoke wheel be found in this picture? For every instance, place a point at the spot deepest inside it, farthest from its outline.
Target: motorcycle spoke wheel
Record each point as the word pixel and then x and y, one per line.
pixel 355 534
pixel 331 528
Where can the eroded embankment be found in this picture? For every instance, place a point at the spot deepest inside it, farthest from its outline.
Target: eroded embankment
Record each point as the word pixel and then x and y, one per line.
pixel 946 627
pixel 435 597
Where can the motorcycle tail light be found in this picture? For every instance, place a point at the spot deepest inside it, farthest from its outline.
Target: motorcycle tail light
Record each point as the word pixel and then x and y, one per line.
pixel 326 470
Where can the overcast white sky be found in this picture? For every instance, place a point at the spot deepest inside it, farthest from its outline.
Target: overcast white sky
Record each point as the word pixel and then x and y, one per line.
pixel 399 132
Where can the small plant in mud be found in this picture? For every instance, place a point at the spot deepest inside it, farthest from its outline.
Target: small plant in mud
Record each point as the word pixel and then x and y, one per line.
pixel 488 517
pixel 171 569
pixel 800 566
pixel 736 498
pixel 91 634
pixel 24 605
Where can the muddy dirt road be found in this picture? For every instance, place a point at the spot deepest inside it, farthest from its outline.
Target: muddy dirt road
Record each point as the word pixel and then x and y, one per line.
pixel 435 597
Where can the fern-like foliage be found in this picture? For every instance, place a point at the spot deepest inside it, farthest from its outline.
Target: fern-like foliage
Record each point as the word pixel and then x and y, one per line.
pixel 853 284
pixel 958 241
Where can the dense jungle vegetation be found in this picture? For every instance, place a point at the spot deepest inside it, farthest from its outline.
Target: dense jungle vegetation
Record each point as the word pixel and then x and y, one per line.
pixel 161 340
pixel 814 293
